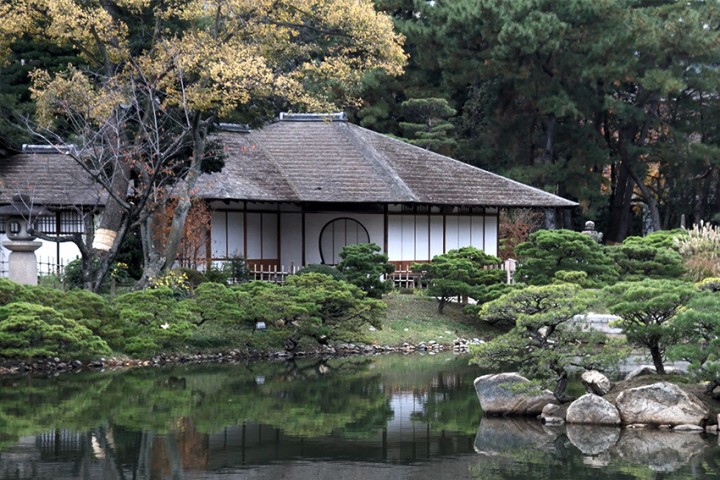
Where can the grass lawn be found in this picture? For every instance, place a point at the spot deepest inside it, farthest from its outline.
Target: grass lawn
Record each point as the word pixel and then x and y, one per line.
pixel 414 319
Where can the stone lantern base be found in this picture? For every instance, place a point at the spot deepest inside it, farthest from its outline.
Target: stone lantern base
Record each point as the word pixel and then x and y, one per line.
pixel 22 263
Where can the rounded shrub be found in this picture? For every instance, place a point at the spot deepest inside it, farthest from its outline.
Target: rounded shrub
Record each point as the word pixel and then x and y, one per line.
pixel 33 331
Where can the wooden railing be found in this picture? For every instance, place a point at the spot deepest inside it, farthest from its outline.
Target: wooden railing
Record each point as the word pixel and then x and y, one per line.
pixel 404 277
pixel 270 270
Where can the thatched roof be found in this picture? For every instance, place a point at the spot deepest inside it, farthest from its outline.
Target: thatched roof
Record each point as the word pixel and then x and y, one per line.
pixel 335 161
pixel 50 179
pixel 309 161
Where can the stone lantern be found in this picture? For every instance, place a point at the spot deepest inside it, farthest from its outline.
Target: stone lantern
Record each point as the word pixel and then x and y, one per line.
pixel 22 263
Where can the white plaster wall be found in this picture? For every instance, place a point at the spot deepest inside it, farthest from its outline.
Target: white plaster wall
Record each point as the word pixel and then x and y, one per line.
pixel 262 235
pixel 410 239
pixel 291 240
pixel 314 222
pixel 235 244
pixel 437 246
pixel 218 235
pixel 491 235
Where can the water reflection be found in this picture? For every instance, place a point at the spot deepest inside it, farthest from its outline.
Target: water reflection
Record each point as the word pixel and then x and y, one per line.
pixel 556 450
pixel 380 417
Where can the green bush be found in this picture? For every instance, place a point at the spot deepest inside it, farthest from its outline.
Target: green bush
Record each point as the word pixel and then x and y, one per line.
pixel 365 267
pixel 697 334
pixel 544 343
pixel 217 275
pixel 711 284
pixel 9 291
pixel 550 251
pixel 458 273
pixel 313 306
pixel 154 320
pixel 653 256
pixel 646 309
pixel 322 268
pixel 218 304
pixel 33 331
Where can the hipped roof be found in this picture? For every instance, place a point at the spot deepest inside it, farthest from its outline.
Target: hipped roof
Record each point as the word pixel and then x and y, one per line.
pixel 301 162
pixel 327 161
pixel 49 179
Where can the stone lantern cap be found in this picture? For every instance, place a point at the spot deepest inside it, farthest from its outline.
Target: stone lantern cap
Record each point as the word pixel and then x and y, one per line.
pixel 20 213
pixel 21 206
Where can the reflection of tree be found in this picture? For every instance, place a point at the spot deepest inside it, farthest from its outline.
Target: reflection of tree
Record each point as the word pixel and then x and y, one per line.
pixel 450 410
pixel 310 397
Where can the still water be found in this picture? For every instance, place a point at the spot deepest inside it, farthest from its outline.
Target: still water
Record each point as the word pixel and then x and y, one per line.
pixel 388 417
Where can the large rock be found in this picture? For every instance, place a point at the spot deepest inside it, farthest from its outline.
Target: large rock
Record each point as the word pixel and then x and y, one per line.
pixel 593 410
pixel 660 404
pixel 497 397
pixel 595 382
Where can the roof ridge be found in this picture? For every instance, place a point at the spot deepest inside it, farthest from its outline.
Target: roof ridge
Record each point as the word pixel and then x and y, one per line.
pixel 569 203
pixel 380 162
pixel 276 164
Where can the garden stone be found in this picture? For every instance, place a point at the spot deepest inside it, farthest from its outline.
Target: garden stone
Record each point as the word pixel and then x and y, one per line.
pixel 595 382
pixel 660 404
pixel 496 396
pixel 594 410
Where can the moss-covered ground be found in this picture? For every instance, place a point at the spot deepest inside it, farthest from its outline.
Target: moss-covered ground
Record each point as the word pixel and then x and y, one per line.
pixel 415 318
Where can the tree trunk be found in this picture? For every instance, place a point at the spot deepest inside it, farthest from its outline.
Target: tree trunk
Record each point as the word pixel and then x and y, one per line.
pixel 650 201
pixel 657 359
pixel 560 387
pixel 160 254
pixel 551 222
pixel 620 205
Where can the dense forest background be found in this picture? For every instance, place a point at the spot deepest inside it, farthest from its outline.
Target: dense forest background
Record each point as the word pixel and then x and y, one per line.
pixel 613 103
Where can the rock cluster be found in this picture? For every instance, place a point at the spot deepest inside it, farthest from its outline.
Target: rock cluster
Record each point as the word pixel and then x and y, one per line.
pixel 660 404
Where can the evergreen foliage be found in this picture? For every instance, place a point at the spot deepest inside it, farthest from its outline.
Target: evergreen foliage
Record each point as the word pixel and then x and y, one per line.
pixel 154 320
pixel 322 268
pixel 550 251
pixel 316 306
pixel 697 329
pixel 30 331
pixel 426 124
pixel 594 101
pixel 646 310
pixel 638 258
pixel 543 343
pixel 459 273
pixel 364 266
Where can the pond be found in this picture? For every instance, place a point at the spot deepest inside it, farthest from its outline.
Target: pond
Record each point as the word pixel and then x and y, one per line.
pixel 368 418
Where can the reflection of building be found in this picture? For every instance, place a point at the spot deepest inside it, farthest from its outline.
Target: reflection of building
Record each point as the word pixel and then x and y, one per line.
pixel 63 454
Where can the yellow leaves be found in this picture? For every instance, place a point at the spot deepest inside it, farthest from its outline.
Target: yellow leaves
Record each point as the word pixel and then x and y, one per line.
pixel 89 27
pixel 213 55
pixel 73 96
pixel 134 6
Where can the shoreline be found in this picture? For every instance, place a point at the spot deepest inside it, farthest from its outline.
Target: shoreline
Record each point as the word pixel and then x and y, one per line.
pixel 56 366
